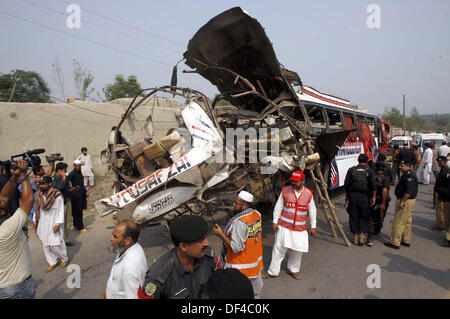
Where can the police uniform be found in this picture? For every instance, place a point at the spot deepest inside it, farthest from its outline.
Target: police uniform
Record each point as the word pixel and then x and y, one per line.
pixel 167 278
pixel 387 171
pixel 442 188
pixel 359 183
pixel 375 220
pixel 402 224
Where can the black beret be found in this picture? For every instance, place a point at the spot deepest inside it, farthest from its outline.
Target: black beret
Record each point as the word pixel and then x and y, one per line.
pixel 188 228
pixel 229 284
pixel 443 158
pixel 405 162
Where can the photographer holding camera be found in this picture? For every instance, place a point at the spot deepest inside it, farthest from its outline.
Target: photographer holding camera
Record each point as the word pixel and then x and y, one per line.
pixel 13 202
pixel 15 256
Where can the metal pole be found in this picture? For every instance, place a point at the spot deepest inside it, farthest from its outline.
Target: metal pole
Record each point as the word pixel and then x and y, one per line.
pixel 404 117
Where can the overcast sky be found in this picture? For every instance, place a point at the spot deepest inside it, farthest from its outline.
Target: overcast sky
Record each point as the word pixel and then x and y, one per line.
pixel 327 42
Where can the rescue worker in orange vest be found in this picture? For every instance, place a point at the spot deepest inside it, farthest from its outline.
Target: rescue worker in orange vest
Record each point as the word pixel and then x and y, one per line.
pixel 242 241
pixel 290 215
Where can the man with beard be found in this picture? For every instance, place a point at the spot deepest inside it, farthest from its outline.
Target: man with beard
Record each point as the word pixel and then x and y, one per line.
pixel 290 215
pixel 59 182
pixel 79 195
pixel 182 272
pixel 129 268
pixel 242 241
pixel 49 221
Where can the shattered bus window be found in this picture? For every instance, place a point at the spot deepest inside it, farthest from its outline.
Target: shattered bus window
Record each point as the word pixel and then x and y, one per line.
pixel 334 120
pixel 315 114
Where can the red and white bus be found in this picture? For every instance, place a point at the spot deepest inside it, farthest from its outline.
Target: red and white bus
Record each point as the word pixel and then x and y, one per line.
pixel 329 113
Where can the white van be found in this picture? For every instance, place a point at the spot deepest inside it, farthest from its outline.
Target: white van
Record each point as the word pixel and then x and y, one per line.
pixel 422 138
pixel 402 141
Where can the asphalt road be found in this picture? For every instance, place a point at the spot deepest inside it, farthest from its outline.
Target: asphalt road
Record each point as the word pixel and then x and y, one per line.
pixel 329 270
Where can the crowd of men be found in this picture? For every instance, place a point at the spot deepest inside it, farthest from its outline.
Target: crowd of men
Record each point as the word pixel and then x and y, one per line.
pixel 50 202
pixel 192 269
pixel 367 191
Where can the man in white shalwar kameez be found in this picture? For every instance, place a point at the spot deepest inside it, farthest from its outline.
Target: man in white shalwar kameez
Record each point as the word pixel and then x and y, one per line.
pixel 49 220
pixel 289 222
pixel 424 171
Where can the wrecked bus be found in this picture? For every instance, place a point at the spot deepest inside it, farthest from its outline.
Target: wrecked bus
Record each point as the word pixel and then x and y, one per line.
pixel 196 164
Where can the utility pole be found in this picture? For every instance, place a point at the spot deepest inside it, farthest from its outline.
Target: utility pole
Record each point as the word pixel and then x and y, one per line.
pixel 16 79
pixel 404 117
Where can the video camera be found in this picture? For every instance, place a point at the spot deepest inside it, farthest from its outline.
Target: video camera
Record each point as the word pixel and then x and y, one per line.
pixel 30 157
pixel 54 157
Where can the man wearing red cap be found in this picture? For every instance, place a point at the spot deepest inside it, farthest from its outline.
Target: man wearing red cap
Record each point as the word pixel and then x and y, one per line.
pixel 290 215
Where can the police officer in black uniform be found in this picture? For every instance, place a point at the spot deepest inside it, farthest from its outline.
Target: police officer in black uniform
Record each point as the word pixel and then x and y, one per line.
pixel 442 189
pixel 387 168
pixel 378 211
pixel 182 272
pixel 359 187
pixel 406 193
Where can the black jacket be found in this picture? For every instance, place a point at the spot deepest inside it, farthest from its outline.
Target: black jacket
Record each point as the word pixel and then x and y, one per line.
pixel 442 185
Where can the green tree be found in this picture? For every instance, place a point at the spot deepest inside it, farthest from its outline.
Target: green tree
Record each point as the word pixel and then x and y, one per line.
pixel 122 88
pixel 393 116
pixel 28 86
pixel 416 122
pixel 83 78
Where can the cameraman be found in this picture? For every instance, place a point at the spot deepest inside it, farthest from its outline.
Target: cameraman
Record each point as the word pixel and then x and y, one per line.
pixel 13 202
pixel 15 256
pixel 40 172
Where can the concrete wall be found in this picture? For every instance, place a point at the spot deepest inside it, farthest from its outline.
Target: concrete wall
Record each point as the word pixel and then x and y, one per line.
pixel 65 128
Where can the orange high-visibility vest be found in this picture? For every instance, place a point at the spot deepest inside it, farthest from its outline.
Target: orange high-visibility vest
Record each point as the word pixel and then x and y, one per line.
pixel 250 260
pixel 295 211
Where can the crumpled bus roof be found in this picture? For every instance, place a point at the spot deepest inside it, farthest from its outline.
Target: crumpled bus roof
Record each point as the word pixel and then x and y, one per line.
pixel 236 41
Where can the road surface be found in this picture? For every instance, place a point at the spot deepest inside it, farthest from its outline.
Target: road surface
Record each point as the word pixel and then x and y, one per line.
pixel 329 270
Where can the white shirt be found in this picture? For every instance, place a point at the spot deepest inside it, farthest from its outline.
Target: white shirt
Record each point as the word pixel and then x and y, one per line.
pixel 86 169
pixel 444 150
pixel 49 218
pixel 295 240
pixel 15 256
pixel 427 158
pixel 127 274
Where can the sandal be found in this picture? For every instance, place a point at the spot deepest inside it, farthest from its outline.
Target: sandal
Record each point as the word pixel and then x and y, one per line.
pixel 295 275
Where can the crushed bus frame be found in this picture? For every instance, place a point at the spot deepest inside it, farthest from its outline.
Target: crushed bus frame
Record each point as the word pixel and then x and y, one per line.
pixel 178 174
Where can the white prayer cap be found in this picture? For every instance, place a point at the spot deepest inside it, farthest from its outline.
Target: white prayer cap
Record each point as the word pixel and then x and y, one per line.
pixel 246 196
pixel 76 162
